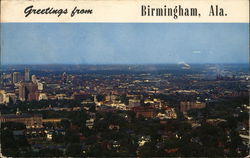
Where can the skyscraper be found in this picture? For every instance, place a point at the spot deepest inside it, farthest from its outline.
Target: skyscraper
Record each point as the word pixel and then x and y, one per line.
pixel 15 77
pixel 28 91
pixel 26 75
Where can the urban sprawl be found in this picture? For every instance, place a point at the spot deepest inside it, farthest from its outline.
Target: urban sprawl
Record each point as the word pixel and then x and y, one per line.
pixel 125 110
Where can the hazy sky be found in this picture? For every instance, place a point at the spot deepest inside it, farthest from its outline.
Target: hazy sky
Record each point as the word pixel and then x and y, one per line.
pixel 111 43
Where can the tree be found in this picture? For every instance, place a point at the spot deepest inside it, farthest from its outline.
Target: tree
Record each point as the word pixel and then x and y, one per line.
pixel 100 97
pixel 65 124
pixel 71 137
pixel 58 138
pixel 11 144
pixel 92 108
pixel 147 150
pixel 47 152
pixel 74 150
pixel 124 99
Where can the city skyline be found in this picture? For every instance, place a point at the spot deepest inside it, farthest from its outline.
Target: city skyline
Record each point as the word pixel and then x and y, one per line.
pixel 95 43
pixel 50 113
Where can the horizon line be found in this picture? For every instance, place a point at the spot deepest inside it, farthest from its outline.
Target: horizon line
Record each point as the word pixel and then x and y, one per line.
pixel 123 63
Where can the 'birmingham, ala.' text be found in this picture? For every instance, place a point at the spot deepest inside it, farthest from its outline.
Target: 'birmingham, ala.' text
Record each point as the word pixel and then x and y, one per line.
pixel 175 12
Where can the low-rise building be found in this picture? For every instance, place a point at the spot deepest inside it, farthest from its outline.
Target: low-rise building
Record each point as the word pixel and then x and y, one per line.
pixel 30 121
pixel 187 105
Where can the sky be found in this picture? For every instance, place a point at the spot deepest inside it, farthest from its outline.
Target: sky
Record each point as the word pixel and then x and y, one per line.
pixel 124 43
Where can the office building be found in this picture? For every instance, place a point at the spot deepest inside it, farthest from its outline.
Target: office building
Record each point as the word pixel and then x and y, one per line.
pixel 187 105
pixel 16 77
pixel 28 91
pixel 30 121
pixel 26 75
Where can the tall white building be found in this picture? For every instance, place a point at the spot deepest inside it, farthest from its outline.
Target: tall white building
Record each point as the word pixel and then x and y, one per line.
pixel 40 86
pixel 33 78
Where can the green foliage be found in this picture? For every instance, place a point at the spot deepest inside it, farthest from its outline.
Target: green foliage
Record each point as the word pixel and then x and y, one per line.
pixel 47 152
pixel 124 99
pixel 10 143
pixel 100 97
pixel 181 140
pixel 13 126
pixel 147 150
pixel 71 137
pixel 74 150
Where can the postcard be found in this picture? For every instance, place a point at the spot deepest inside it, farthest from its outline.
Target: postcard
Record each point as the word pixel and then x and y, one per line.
pixel 124 78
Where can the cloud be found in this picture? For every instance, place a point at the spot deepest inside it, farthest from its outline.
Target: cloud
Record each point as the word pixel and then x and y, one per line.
pixel 196 52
